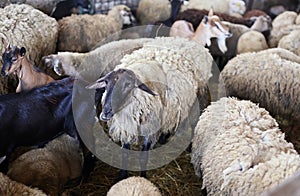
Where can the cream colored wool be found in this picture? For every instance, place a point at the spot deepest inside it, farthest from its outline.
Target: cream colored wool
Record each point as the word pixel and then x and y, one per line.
pixel 81 33
pixel 177 70
pixel 251 41
pixel 22 25
pixel 291 42
pixel 134 186
pixel 270 78
pixel 49 168
pixel 239 149
pixel 10 187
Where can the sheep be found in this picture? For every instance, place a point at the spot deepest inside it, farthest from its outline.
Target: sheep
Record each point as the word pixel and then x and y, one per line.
pixel 26 26
pixel 107 55
pixel 210 27
pixel 264 77
pixel 283 24
pixel 244 152
pixel 149 12
pixel 251 41
pixel 290 42
pixel 10 187
pixel 80 33
pixel 15 62
pixel 230 7
pixel 50 167
pixel 162 81
pixel 134 186
pixel 103 6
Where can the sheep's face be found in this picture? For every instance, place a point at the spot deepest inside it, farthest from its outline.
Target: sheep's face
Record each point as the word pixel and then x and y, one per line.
pixel 60 63
pixel 128 18
pixel 118 86
pixel 12 59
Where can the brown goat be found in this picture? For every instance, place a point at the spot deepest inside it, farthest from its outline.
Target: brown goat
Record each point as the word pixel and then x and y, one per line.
pixel 15 61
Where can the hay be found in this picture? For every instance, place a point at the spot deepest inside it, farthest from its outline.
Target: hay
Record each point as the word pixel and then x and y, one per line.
pixel 176 178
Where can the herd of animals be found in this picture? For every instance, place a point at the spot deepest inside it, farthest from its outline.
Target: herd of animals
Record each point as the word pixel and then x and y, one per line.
pixel 147 67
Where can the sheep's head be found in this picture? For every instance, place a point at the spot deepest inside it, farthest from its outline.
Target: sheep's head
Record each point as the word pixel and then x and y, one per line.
pixel 125 13
pixel 11 58
pixel 118 85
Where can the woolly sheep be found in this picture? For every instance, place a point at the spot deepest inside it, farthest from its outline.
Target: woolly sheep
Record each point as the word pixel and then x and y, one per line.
pixel 150 11
pixel 168 66
pixel 251 41
pixel 80 33
pixel 283 24
pixel 10 187
pixel 25 26
pixel 231 7
pixel 268 77
pixel 291 42
pixel 134 186
pixel 244 152
pixel 103 58
pixel 49 168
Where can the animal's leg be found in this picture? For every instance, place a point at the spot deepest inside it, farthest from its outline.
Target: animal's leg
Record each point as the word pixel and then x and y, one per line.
pixel 144 157
pixel 124 172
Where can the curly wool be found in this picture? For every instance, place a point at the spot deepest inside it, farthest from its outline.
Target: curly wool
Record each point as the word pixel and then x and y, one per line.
pixel 268 77
pixel 134 186
pixel 244 152
pixel 175 68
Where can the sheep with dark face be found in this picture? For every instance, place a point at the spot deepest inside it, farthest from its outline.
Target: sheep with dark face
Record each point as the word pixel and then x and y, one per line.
pixel 153 91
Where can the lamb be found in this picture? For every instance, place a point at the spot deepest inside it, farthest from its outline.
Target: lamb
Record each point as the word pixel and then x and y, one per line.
pixel 15 62
pixel 50 167
pixel 265 77
pixel 26 26
pixel 10 187
pixel 210 27
pixel 107 55
pixel 230 7
pixel 142 103
pixel 244 153
pixel 134 186
pixel 80 33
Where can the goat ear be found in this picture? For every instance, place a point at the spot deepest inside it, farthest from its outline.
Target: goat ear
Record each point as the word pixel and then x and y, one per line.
pixel 22 51
pixel 145 88
pixel 96 85
pixel 211 12
pixel 5 44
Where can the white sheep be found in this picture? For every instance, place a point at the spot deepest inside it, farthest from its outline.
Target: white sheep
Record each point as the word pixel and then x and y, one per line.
pixel 291 41
pixel 81 33
pixel 10 187
pixel 238 149
pixel 25 26
pixel 251 41
pixel 231 7
pixel 134 186
pixel 50 167
pixel 283 24
pixel 149 11
pixel 102 59
pixel 268 77
pixel 177 70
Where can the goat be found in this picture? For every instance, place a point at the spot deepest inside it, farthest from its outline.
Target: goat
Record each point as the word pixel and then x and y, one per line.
pixel 15 62
pixel 35 117
pixel 210 27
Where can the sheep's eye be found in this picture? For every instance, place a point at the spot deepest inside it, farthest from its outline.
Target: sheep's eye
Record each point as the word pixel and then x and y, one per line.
pixel 13 59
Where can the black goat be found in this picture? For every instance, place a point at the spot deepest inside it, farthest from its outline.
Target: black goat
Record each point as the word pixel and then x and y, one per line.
pixel 35 117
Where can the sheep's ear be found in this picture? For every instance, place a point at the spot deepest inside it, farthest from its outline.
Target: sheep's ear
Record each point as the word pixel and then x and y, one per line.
pixel 144 87
pixel 98 84
pixel 22 51
pixel 211 12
